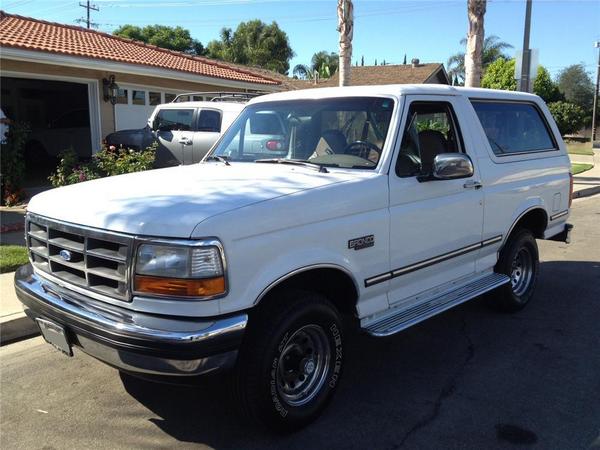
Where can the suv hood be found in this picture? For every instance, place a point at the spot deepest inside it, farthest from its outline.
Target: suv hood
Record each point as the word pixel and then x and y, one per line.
pixel 171 202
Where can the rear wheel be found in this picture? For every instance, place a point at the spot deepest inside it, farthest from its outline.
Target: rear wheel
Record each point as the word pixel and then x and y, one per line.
pixel 519 259
pixel 291 360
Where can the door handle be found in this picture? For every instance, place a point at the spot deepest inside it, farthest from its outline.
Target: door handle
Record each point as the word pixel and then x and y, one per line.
pixel 185 141
pixel 472 184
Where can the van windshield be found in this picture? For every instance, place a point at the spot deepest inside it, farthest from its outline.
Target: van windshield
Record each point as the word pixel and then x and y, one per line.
pixel 347 132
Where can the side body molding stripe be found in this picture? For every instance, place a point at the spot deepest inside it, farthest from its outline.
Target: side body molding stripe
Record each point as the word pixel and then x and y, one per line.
pixel 429 262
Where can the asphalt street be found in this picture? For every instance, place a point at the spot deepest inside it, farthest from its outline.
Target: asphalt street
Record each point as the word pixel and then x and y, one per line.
pixel 471 378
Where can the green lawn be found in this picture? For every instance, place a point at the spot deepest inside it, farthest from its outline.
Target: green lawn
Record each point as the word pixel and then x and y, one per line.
pixel 11 257
pixel 578 168
pixel 580 148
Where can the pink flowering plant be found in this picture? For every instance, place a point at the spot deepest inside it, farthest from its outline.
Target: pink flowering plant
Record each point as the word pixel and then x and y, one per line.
pixel 107 162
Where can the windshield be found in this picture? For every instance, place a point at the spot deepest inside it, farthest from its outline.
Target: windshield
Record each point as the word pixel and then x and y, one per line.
pixel 346 132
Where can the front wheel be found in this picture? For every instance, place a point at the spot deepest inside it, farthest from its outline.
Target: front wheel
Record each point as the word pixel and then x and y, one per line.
pixel 519 259
pixel 291 360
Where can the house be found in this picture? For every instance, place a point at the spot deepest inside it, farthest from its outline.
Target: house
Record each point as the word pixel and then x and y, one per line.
pixel 73 83
pixel 414 73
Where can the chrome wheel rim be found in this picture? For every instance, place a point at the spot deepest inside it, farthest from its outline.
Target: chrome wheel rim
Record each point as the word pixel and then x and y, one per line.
pixel 303 365
pixel 522 271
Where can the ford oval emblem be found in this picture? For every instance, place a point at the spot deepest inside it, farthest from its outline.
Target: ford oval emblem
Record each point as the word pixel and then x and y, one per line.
pixel 66 255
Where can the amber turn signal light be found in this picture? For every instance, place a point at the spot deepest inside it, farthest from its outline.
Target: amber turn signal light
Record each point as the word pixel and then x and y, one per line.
pixel 180 286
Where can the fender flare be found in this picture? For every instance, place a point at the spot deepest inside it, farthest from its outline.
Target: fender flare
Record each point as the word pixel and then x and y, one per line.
pixel 539 206
pixel 300 270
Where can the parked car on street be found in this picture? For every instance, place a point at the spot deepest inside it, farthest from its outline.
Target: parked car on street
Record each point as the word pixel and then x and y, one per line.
pixel 184 130
pixel 370 207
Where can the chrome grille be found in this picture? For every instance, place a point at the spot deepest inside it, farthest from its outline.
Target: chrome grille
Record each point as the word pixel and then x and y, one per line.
pixel 88 258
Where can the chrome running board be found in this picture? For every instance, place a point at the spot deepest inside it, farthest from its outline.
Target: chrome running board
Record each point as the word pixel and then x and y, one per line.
pixel 400 320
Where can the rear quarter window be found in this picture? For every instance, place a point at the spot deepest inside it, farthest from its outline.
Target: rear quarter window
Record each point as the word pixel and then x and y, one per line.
pixel 514 127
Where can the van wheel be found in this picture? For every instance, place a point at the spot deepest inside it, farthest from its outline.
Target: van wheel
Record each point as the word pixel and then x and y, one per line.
pixel 519 259
pixel 291 361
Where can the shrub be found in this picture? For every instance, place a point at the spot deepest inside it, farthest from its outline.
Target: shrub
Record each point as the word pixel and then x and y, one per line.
pixel 107 162
pixel 12 162
pixel 113 161
pixel 569 117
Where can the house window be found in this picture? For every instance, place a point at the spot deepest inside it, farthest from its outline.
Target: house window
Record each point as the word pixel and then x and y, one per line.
pixel 169 97
pixel 154 98
pixel 122 96
pixel 138 97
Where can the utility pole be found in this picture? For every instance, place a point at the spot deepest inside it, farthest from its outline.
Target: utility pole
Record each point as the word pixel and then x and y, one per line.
pixel 594 111
pixel 89 8
pixel 526 59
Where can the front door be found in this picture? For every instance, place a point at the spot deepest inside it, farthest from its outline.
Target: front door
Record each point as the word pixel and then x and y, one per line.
pixel 435 226
pixel 175 136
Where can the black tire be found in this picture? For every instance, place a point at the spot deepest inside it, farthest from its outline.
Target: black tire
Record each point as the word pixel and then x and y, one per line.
pixel 519 259
pixel 277 350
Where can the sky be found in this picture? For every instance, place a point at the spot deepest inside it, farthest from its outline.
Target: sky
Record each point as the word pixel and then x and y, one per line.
pixel 564 31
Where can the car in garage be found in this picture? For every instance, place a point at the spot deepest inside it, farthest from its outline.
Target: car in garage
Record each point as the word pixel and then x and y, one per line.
pixel 70 130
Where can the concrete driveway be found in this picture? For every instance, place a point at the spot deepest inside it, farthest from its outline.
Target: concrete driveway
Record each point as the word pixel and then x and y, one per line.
pixel 470 379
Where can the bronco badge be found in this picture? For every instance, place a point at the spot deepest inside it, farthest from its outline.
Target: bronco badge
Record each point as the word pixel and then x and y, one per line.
pixel 362 242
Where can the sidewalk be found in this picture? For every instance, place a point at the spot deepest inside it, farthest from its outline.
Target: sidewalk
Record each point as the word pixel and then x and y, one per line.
pixel 14 324
pixel 587 183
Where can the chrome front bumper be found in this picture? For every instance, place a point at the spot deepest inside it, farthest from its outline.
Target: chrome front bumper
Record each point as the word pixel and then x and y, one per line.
pixel 131 341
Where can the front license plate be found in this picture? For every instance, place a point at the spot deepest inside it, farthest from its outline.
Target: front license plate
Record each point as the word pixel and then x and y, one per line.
pixel 55 335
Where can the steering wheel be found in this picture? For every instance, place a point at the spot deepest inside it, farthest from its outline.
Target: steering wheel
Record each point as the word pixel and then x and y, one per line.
pixel 362 149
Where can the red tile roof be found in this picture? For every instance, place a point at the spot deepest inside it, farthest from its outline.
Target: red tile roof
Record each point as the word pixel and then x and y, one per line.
pixel 33 34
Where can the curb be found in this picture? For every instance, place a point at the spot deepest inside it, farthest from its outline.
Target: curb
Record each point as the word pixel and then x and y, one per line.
pixel 17 327
pixel 587 192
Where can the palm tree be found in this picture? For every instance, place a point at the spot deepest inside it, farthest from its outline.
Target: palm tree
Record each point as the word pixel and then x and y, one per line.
pixel 493 48
pixel 323 59
pixel 345 11
pixel 322 65
pixel 473 64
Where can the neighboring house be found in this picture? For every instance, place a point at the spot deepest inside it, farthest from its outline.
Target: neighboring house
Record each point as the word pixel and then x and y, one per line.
pixel 51 71
pixel 416 73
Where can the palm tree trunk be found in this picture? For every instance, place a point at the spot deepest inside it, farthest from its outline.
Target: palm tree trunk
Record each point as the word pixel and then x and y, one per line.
pixel 345 11
pixel 473 55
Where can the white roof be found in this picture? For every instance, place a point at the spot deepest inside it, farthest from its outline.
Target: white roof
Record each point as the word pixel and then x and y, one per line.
pixel 394 90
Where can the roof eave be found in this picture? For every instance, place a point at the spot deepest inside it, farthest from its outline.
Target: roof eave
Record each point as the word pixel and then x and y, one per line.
pixel 19 54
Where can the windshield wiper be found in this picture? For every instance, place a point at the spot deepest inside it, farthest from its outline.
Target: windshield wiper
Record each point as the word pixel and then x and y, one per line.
pixel 295 162
pixel 218 158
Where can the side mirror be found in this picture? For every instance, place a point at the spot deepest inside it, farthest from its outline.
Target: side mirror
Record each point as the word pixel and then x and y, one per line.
pixel 450 166
pixel 155 124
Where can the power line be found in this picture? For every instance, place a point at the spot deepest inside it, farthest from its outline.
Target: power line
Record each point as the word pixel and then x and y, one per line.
pixel 89 8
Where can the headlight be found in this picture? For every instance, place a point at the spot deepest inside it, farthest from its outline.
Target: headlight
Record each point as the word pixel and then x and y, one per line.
pixel 179 270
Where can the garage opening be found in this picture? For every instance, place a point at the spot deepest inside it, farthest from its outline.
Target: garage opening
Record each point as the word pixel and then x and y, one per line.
pixel 59 118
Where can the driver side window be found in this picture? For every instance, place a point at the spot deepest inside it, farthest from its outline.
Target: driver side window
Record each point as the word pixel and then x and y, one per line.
pixel 430 129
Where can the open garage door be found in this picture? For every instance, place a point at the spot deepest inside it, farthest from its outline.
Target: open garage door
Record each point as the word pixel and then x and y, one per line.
pixel 58 114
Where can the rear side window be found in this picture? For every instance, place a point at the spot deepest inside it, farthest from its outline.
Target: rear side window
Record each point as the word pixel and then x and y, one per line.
pixel 265 123
pixel 513 127
pixel 209 121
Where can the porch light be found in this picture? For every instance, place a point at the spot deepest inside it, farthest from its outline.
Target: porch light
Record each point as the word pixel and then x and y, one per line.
pixel 110 89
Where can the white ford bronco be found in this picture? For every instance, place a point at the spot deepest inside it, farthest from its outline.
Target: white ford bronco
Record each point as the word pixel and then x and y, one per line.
pixel 375 207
